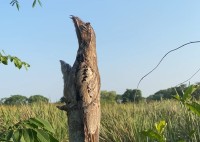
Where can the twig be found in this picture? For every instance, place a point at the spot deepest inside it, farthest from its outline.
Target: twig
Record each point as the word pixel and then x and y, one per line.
pixel 189 78
pixel 164 57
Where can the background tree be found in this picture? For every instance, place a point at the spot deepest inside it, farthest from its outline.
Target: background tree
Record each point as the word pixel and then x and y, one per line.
pixel 62 100
pixel 16 100
pixel 170 92
pixel 118 98
pixel 196 94
pixel 37 98
pixel 2 100
pixel 108 96
pixel 132 95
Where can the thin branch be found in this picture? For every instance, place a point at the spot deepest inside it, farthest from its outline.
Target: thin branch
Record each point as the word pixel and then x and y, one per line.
pixel 163 58
pixel 189 78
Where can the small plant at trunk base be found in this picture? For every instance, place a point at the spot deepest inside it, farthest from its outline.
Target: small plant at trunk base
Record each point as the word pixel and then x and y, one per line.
pixel 31 130
pixel 158 133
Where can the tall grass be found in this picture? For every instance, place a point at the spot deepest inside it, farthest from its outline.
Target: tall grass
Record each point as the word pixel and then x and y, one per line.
pixel 12 114
pixel 119 122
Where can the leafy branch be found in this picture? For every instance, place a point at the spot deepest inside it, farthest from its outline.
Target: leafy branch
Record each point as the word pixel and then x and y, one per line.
pixel 16 3
pixel 17 62
pixel 31 130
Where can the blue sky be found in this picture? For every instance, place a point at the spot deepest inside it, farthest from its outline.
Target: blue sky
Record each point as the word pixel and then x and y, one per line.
pixel 132 36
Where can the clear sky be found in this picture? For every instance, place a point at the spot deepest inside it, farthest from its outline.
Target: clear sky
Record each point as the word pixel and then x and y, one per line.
pixel 132 36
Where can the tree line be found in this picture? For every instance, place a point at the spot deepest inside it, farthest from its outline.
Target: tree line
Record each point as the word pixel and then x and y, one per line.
pixel 134 95
pixel 130 95
pixel 20 100
pixel 170 92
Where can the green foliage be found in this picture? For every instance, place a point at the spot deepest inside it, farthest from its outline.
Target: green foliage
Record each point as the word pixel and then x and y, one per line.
pixel 10 115
pixel 132 95
pixel 15 100
pixel 62 100
pixel 158 133
pixel 186 99
pixel 194 107
pixel 2 100
pixel 16 3
pixel 31 130
pixel 19 100
pixel 37 98
pixel 108 96
pixel 171 92
pixel 17 62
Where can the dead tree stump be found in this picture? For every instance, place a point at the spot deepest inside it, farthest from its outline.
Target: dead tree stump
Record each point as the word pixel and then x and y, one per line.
pixel 82 87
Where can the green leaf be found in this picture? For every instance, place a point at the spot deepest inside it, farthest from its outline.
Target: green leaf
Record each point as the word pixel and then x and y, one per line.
pixel 194 107
pixel 30 135
pixel 46 125
pixel 34 2
pixel 39 2
pixel 52 138
pixel 35 135
pixel 4 60
pixel 31 130
pixel 17 5
pixel 17 135
pixel 33 121
pixel 153 135
pixel 22 139
pixel 160 127
pixel 27 135
pixel 42 135
pixel 188 93
pixel 42 124
pixel 29 124
pixel 17 63
pixel 177 97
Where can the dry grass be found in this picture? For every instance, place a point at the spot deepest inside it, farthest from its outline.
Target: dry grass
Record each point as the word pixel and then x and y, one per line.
pixel 119 122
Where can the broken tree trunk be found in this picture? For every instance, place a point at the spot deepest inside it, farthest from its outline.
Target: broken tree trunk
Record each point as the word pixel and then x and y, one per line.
pixel 82 87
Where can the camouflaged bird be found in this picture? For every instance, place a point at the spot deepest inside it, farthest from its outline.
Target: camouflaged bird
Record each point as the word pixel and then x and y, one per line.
pixel 82 85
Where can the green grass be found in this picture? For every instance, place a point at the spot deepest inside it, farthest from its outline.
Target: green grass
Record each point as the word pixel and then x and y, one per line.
pixel 119 122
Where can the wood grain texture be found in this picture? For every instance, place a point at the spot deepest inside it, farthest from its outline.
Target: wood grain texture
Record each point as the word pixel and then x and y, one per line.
pixel 82 87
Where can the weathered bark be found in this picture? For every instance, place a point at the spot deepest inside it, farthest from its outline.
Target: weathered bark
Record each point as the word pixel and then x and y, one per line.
pixel 82 87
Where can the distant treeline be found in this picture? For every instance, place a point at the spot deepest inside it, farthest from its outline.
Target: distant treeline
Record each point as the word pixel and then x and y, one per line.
pixel 136 95
pixel 19 100
pixel 170 92
pixel 130 95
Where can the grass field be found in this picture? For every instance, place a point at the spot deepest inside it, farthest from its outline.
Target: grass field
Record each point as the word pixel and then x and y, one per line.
pixel 119 122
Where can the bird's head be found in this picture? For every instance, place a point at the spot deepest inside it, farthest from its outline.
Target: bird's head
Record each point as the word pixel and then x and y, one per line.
pixel 84 31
